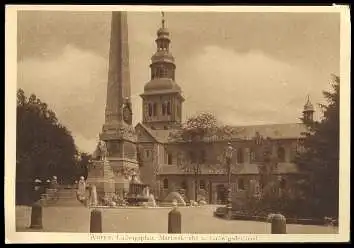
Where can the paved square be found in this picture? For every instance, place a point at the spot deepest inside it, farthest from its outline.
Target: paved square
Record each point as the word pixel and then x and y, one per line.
pixel 151 220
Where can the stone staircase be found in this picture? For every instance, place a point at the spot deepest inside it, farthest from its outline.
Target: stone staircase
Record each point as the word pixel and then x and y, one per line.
pixel 64 196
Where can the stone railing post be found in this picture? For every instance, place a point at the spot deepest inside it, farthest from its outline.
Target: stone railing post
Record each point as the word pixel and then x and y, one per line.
pixel 96 221
pixel 174 220
pixel 278 223
pixel 36 216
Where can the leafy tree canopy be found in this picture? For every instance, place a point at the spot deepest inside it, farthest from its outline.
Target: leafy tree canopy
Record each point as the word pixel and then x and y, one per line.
pixel 320 158
pixel 44 146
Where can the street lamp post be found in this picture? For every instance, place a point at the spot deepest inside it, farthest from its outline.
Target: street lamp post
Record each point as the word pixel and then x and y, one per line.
pixel 228 155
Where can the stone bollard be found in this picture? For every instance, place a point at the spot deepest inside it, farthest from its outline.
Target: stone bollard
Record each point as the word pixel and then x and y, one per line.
pixel 174 220
pixel 36 216
pixel 278 224
pixel 96 221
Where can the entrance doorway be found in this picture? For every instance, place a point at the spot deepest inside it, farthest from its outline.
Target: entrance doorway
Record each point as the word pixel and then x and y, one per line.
pixel 221 192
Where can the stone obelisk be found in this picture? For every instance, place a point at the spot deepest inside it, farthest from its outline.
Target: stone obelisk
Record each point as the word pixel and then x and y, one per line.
pixel 118 133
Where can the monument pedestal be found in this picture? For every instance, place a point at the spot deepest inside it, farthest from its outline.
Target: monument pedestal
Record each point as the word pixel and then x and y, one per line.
pixel 112 176
pixel 101 175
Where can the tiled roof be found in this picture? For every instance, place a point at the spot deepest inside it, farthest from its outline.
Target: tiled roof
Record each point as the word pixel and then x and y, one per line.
pixel 240 169
pixel 273 131
pixel 161 136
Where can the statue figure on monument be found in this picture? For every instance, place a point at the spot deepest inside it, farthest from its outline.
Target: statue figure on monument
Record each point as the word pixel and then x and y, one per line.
pixel 104 151
pixel 127 111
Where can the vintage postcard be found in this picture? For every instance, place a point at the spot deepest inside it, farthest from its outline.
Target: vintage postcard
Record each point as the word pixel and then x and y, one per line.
pixel 177 124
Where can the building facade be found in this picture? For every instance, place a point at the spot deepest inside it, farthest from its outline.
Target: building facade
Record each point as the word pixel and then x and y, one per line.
pixel 163 160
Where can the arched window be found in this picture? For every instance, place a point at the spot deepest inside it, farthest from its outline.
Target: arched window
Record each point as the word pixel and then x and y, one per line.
pixel 153 73
pixel 168 108
pixel 154 106
pixel 150 109
pixel 240 159
pixel 165 183
pixel 163 108
pixel 281 154
pixel 202 184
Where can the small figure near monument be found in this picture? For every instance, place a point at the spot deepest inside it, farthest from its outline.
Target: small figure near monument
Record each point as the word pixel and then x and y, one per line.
pixel 81 191
pixel 54 186
pixel 54 183
pixel 151 201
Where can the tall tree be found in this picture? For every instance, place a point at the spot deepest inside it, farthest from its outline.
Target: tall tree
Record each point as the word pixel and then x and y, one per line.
pixel 320 158
pixel 44 146
pixel 83 160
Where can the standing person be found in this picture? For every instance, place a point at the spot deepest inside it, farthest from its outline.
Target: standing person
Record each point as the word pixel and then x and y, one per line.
pixel 37 190
pixel 54 186
pixel 81 191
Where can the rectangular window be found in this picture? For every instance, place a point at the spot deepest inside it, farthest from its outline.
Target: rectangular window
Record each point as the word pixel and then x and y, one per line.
pixel 147 154
pixel 192 157
pixel 241 184
pixel 169 158
pixel 202 184
pixel 202 157
pixel 252 156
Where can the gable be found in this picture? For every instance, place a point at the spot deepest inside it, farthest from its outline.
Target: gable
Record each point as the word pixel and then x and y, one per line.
pixel 143 135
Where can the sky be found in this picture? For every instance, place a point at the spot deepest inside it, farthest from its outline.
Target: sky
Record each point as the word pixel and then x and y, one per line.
pixel 246 68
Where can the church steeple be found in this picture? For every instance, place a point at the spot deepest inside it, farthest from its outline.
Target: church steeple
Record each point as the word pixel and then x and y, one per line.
pixel 163 62
pixel 162 97
pixel 308 110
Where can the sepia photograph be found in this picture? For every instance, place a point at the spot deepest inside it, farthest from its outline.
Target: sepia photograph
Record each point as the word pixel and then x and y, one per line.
pixel 177 121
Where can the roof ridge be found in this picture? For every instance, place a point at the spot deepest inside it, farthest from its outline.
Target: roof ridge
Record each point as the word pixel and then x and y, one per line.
pixel 270 124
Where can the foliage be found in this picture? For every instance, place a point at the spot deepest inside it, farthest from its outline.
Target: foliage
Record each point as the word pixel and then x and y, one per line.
pixel 82 164
pixel 320 159
pixel 317 193
pixel 44 146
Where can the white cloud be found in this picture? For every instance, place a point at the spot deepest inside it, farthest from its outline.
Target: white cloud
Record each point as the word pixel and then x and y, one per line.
pixel 249 88
pixel 73 85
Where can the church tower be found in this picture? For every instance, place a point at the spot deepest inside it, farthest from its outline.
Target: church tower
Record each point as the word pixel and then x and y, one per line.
pixel 308 111
pixel 162 97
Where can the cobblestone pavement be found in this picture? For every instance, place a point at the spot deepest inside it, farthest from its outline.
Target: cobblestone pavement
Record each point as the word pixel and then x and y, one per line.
pixel 150 220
